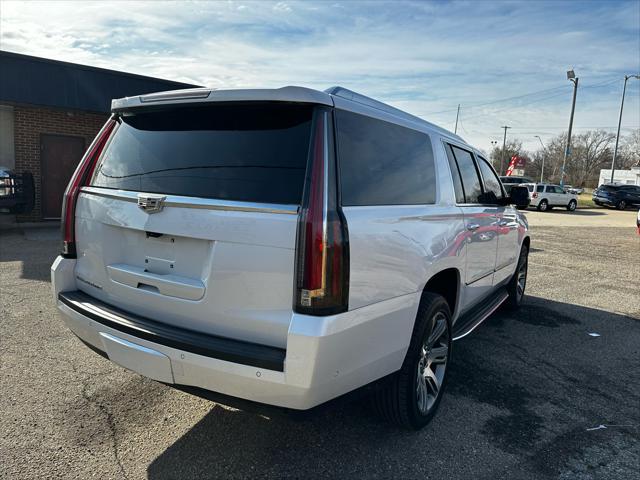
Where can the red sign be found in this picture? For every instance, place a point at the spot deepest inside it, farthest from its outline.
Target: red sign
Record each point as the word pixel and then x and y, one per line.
pixel 516 163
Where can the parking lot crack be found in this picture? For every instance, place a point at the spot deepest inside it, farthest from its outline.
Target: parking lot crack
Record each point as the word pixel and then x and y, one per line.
pixel 110 423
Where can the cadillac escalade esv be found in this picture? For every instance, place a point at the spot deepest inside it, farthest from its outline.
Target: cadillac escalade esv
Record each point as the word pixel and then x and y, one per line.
pixel 286 246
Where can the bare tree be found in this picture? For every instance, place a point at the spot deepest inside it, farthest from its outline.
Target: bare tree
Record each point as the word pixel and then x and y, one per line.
pixel 592 151
pixel 629 150
pixel 554 153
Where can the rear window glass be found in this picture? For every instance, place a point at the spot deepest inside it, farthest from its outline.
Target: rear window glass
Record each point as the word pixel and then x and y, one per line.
pixel 254 153
pixel 382 163
pixel 530 188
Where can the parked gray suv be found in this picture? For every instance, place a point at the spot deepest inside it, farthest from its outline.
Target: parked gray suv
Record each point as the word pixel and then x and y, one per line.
pixel 286 246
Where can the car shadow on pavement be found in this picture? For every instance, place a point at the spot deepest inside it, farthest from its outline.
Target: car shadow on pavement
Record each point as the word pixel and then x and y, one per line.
pixel 524 386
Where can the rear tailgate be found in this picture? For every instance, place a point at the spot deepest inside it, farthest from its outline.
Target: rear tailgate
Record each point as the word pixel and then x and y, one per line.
pixel 190 218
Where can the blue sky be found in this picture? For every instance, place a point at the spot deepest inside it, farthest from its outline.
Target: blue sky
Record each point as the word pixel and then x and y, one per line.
pixel 424 57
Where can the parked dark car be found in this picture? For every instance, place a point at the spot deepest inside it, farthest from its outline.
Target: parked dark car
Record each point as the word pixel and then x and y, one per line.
pixel 509 181
pixel 618 196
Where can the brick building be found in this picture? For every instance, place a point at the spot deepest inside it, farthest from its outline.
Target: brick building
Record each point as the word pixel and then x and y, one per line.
pixel 50 112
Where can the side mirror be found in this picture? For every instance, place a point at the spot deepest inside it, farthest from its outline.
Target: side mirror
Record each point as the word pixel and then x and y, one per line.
pixel 519 196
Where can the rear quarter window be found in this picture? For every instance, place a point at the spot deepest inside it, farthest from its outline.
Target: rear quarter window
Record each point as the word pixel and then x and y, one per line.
pixel 383 163
pixel 254 153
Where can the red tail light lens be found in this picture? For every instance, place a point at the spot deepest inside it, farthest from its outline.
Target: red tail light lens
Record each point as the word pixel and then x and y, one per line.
pixel 322 249
pixel 81 177
pixel 535 195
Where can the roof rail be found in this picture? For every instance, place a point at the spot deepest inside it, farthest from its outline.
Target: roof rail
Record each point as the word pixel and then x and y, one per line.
pixel 342 92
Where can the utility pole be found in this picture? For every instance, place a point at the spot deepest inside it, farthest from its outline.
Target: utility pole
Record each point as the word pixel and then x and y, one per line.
pixel 457 115
pixel 543 155
pixel 615 150
pixel 504 146
pixel 571 76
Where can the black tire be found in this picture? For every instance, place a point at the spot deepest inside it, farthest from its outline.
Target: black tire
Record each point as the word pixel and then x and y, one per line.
pixel 543 206
pixel 572 206
pixel 515 288
pixel 398 399
pixel 621 205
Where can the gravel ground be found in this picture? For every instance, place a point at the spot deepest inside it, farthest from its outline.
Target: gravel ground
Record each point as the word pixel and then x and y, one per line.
pixel 526 395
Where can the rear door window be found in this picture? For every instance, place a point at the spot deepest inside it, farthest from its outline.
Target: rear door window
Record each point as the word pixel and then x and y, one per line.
pixel 491 182
pixel 382 163
pixel 540 188
pixel 469 174
pixel 253 153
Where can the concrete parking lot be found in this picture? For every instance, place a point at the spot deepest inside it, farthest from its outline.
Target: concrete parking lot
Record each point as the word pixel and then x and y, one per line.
pixel 531 395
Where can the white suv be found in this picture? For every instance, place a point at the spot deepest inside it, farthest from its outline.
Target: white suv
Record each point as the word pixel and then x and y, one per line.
pixel 286 247
pixel 545 196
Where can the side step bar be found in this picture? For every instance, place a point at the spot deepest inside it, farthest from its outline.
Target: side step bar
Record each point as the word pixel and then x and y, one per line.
pixel 478 314
pixel 200 343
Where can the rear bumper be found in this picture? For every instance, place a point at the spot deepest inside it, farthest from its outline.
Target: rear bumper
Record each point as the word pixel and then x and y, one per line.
pixel 245 353
pixel 603 201
pixel 325 357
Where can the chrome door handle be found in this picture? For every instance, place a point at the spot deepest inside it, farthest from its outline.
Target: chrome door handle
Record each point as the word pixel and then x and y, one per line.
pixel 473 226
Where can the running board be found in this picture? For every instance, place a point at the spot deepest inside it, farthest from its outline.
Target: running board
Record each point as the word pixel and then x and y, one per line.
pixel 478 314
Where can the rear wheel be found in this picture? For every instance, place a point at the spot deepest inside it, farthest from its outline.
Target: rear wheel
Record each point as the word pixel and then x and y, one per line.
pixel 621 205
pixel 412 395
pixel 543 206
pixel 518 282
pixel 572 205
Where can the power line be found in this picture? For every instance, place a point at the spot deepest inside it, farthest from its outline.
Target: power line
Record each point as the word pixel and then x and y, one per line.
pixel 510 108
pixel 516 97
pixel 468 106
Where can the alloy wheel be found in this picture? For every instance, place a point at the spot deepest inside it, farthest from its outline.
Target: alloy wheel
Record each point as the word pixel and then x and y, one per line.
pixel 432 364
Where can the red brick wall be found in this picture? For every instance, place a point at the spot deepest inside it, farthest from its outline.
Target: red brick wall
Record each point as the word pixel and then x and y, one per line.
pixel 32 121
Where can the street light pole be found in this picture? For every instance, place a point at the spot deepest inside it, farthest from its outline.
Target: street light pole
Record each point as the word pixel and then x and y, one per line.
pixel 571 76
pixel 504 146
pixel 543 155
pixel 615 150
pixel 494 144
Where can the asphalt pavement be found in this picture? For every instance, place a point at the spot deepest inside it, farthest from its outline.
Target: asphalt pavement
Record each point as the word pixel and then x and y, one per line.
pixel 552 391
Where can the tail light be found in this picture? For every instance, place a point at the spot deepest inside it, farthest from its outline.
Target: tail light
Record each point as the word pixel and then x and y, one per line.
pixel 322 248
pixel 80 178
pixel 535 195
